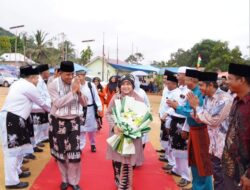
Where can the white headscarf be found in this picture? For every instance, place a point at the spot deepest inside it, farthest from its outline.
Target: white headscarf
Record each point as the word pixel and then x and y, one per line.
pixel 140 91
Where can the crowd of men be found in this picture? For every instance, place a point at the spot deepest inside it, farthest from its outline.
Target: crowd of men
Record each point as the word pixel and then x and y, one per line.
pixel 37 110
pixel 205 128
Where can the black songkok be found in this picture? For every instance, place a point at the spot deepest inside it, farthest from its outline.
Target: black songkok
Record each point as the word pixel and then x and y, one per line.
pixel 67 66
pixel 192 73
pixel 172 78
pixel 28 70
pixel 43 67
pixel 239 69
pixel 208 76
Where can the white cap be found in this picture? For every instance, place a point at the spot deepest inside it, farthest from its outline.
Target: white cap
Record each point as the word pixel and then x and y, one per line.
pixel 182 69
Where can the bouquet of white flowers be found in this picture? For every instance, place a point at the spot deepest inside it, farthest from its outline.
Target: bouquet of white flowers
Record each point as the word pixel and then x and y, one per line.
pixel 133 118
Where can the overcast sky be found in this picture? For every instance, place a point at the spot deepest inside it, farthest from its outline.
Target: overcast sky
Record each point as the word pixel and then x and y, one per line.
pixel 156 28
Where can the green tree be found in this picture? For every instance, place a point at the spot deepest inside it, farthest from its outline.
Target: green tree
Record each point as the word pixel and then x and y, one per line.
pixel 215 55
pixel 29 45
pixel 86 55
pixel 5 44
pixel 179 58
pixel 40 53
pixel 135 58
pixel 19 44
pixel 67 50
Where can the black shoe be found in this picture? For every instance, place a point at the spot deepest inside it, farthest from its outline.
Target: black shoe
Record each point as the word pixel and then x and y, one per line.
pixel 20 185
pixel 161 151
pixel 25 160
pixel 75 187
pixel 24 174
pixel 162 156
pixel 183 182
pixel 93 148
pixel 30 156
pixel 24 169
pixel 99 127
pixel 40 144
pixel 45 141
pixel 36 149
pixel 170 172
pixel 167 167
pixel 117 182
pixel 64 186
pixel 163 159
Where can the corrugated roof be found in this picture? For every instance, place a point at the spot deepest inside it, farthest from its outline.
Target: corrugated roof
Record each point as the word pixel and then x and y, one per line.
pixel 133 67
pixel 12 57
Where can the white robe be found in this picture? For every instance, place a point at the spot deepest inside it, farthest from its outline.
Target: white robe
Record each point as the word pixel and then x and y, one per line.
pixel 19 101
pixel 41 130
pixel 90 123
pixel 143 95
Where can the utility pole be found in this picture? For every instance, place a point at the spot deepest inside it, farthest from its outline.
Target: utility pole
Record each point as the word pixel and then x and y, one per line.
pixel 117 50
pixel 132 48
pixel 103 59
pixel 249 31
pixel 86 41
pixel 15 27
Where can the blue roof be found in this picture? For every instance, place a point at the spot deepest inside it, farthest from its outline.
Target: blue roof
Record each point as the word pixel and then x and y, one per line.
pixel 134 67
pixel 77 67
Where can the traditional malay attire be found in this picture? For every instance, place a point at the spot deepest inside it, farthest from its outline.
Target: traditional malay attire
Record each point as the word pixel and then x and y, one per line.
pixel 163 134
pixel 64 130
pixel 39 116
pixel 214 113
pixel 236 154
pixel 175 96
pixel 90 124
pixel 198 143
pixel 178 144
pixel 181 156
pixel 122 165
pixel 15 126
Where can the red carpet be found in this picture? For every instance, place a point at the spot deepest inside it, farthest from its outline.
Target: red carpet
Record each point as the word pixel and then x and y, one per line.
pixel 97 172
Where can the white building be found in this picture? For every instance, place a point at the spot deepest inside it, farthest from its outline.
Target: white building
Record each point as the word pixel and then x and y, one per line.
pixel 15 59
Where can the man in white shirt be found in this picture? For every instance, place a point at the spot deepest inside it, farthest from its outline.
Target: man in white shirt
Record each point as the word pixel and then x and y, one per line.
pixel 93 108
pixel 163 135
pixel 15 123
pixel 172 94
pixel 39 116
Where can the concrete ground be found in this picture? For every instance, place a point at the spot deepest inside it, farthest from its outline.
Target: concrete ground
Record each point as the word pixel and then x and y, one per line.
pixel 42 158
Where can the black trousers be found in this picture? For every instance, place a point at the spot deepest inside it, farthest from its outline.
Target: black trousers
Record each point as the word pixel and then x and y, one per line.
pixel 217 173
pixel 230 184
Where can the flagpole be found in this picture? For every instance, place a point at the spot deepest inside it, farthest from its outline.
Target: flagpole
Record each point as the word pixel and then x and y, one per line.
pixel 117 50
pixel 198 62
pixel 103 59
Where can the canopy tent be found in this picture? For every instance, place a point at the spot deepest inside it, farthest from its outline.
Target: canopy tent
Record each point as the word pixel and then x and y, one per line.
pixel 172 69
pixel 133 67
pixel 77 67
pixel 139 73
